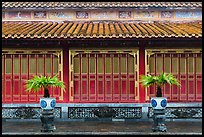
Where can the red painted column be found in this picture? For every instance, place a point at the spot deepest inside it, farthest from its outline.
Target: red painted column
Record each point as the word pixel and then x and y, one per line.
pixel 66 72
pixel 141 71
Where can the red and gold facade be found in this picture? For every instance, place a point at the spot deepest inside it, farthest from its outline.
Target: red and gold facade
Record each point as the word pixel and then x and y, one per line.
pixel 100 55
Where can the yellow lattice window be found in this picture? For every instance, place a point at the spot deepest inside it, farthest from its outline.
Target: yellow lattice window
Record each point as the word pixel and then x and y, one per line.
pixel 84 62
pixel 116 64
pixel 40 61
pixel 16 64
pixel 92 64
pixel 167 63
pixel 152 64
pixel 199 64
pixel 48 64
pixel 123 64
pixel 108 64
pixel 76 65
pixel 100 64
pixel 190 65
pixel 174 64
pixel 159 63
pixel 24 65
pixel 32 63
pixel 8 64
pixel 131 64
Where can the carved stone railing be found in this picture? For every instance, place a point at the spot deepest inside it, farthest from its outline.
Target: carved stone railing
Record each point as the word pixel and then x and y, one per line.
pixel 104 112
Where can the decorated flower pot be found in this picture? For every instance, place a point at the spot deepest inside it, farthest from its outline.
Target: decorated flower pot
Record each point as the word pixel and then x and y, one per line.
pixel 158 102
pixel 47 117
pixel 47 103
pixel 159 108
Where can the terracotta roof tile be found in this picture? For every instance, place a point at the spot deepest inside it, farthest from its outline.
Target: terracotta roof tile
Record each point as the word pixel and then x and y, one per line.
pixel 89 29
pixel 95 29
pixel 107 29
pixel 100 29
pixel 6 5
pixel 131 31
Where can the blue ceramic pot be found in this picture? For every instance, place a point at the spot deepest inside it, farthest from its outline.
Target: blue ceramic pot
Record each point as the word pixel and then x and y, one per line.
pixel 158 102
pixel 47 103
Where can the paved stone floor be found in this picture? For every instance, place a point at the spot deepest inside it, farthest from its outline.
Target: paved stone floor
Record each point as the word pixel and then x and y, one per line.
pixel 100 127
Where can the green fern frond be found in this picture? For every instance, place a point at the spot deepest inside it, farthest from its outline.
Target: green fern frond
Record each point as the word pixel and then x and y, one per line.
pixel 38 82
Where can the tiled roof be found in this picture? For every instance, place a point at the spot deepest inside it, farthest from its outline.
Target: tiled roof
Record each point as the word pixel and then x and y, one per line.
pixel 99 4
pixel 100 29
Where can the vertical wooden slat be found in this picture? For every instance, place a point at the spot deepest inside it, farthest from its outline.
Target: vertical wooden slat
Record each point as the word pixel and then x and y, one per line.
pixel 96 92
pixel 104 76
pixel 76 65
pixel 3 78
pixel 132 78
pixel 80 76
pixel 108 73
pixel 9 77
pixel 20 57
pixel 198 77
pixel 84 76
pixel 175 88
pixel 12 71
pixel 167 69
pixel 124 85
pixel 24 76
pixel 92 77
pixel 190 77
pixel 88 82
pixel 100 77
pixel 116 78
pixel 183 77
pixel 16 78
pixel 179 76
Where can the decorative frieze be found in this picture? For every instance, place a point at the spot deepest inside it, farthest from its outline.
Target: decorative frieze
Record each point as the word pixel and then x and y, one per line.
pixel 188 14
pixel 40 14
pixel 61 15
pixel 103 15
pixel 71 15
pixel 91 112
pixel 148 14
pixel 125 14
pixel 19 15
pixel 26 112
pixel 167 14
pixel 180 112
pixel 105 110
pixel 82 15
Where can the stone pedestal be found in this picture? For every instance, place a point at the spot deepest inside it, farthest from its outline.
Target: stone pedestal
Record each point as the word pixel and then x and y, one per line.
pixel 159 120
pixel 47 119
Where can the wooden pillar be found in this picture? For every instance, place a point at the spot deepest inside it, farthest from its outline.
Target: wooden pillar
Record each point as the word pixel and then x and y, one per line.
pixel 66 72
pixel 141 70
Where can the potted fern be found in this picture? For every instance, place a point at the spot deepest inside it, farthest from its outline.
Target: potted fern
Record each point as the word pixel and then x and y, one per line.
pixel 160 80
pixel 38 82
pixel 47 103
pixel 159 102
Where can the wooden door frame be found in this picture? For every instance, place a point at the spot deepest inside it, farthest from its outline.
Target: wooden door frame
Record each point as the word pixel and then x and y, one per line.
pixel 74 52
pixel 151 51
pixel 58 52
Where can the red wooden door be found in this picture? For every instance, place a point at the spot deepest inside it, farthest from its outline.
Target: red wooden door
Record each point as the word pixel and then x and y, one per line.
pixel 20 66
pixel 104 77
pixel 186 67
